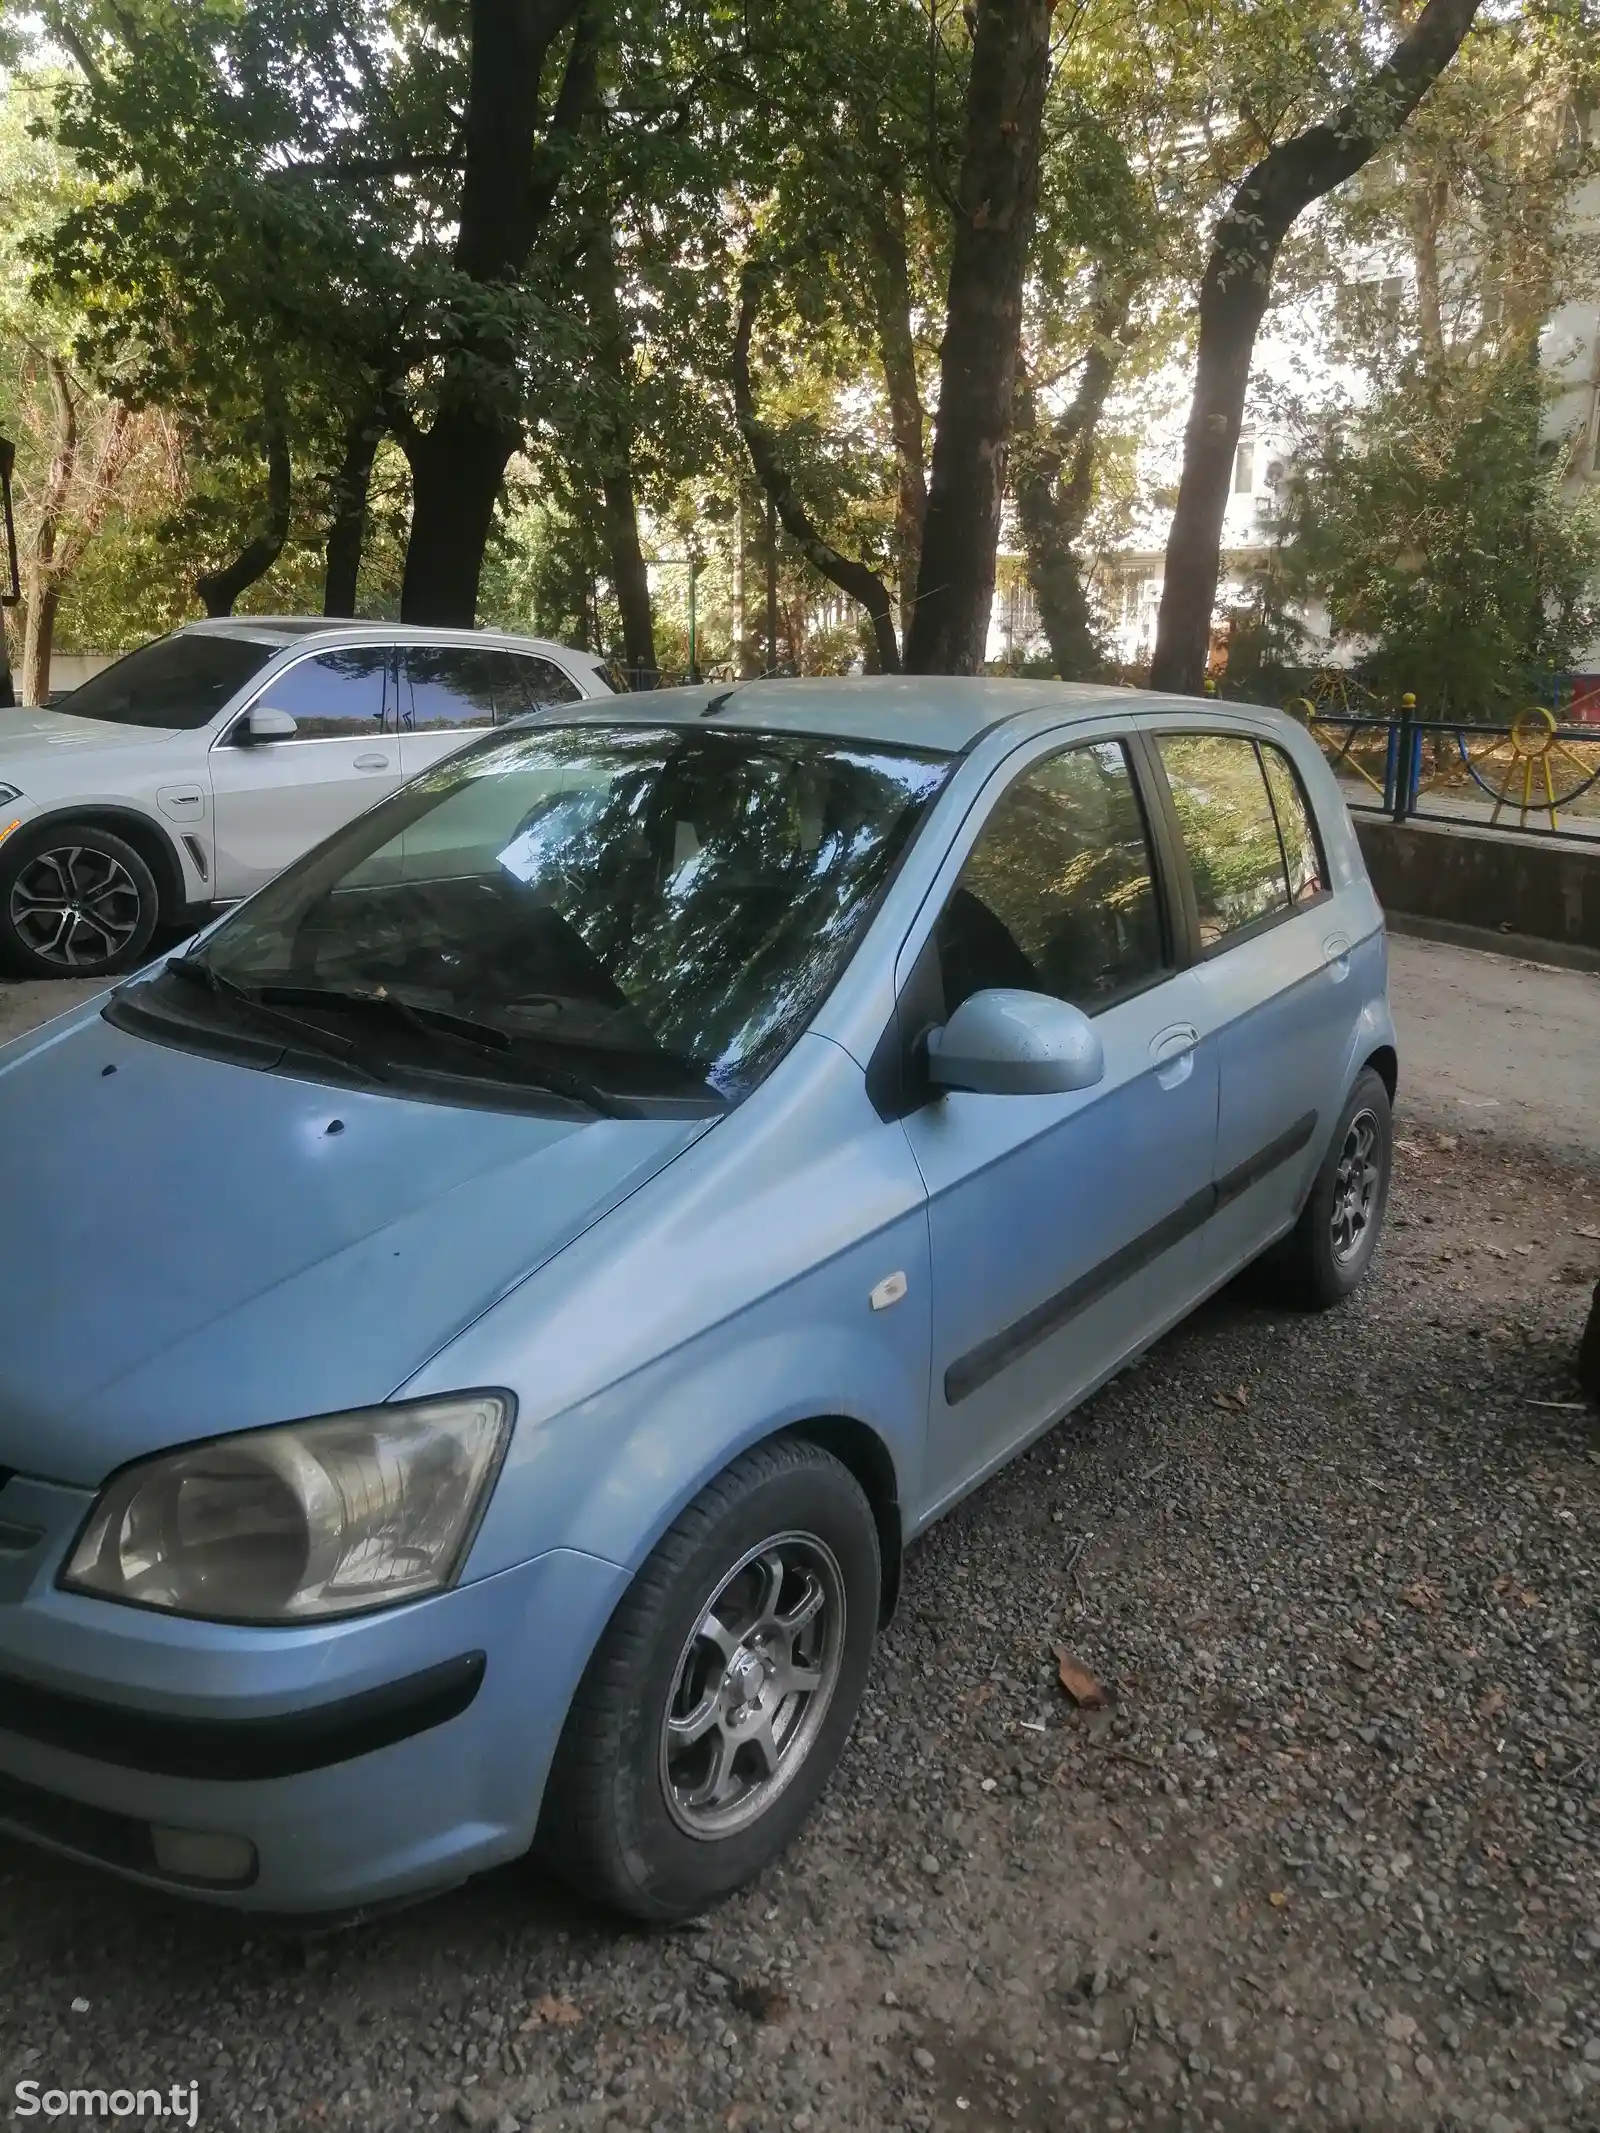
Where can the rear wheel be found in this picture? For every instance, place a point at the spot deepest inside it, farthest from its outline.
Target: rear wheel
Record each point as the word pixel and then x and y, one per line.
pixel 75 902
pixel 1326 1255
pixel 722 1694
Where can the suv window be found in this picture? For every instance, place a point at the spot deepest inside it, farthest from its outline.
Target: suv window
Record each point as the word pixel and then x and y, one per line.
pixel 1230 831
pixel 179 683
pixel 1307 875
pixel 1058 895
pixel 460 686
pixel 333 696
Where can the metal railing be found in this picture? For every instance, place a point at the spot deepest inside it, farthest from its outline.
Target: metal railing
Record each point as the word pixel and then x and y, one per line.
pixel 1533 774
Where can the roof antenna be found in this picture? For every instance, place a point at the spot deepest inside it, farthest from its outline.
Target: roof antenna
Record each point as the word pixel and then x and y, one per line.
pixel 716 703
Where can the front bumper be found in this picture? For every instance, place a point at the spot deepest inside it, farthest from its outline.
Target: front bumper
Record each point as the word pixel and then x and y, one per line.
pixel 365 1761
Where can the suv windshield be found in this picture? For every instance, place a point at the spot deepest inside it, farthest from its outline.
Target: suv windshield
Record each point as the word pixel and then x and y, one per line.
pixel 639 910
pixel 179 683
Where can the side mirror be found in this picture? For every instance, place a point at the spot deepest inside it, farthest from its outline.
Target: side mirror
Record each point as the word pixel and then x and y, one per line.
pixel 263 724
pixel 1005 1043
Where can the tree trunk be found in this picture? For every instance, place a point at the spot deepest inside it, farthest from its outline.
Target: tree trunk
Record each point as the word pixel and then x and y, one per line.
pixel 218 589
pixel 507 192
pixel 1054 487
pixel 457 467
pixel 630 579
pixel 347 531
pixel 770 558
pixel 40 595
pixel 9 575
pixel 839 569
pixel 983 328
pixel 891 299
pixel 39 632
pixel 1427 203
pixel 614 359
pixel 1233 298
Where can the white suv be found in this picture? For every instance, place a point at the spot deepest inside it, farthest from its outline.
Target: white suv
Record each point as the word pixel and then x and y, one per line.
pixel 191 772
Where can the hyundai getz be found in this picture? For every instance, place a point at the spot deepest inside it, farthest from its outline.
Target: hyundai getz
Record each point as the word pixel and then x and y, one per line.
pixel 480 1326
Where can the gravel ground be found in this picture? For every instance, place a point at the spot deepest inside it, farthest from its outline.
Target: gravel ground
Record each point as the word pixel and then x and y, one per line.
pixel 1327 1859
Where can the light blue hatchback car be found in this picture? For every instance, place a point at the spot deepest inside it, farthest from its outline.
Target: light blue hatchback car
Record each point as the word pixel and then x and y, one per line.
pixel 479 1328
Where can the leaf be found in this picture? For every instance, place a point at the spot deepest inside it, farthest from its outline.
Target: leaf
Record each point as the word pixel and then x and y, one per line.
pixel 1078 1682
pixel 1279 1899
pixel 1422 1595
pixel 552 2012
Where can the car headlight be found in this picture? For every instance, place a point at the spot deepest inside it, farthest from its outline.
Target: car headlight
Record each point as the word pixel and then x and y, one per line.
pixel 302 1521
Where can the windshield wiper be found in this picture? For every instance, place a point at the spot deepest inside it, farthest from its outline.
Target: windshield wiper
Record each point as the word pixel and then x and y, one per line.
pixel 327 1041
pixel 462 1029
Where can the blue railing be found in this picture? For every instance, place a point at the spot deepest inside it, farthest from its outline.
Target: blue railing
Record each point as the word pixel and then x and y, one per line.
pixel 1531 772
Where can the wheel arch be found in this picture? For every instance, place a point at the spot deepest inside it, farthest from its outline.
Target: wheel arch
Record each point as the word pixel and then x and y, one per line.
pixel 1384 1061
pixel 859 1448
pixel 146 837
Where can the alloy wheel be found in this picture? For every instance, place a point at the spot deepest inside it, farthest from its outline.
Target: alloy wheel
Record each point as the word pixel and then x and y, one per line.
pixel 75 907
pixel 1355 1186
pixel 752 1685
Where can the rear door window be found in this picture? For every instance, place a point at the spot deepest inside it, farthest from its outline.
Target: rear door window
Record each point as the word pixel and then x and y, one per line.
pixel 451 688
pixel 1230 831
pixel 1308 875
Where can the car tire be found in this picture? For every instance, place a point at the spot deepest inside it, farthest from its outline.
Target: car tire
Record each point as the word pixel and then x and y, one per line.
pixel 1325 1257
pixel 654 1818
pixel 76 901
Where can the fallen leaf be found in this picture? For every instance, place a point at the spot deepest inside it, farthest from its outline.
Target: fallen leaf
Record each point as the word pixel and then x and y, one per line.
pixel 1493 1704
pixel 1078 1682
pixel 1421 1595
pixel 552 2012
pixel 1279 1899
pixel 1236 1401
pixel 763 2003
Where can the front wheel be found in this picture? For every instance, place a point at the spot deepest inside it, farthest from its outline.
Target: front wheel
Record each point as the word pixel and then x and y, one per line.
pixel 723 1691
pixel 1326 1255
pixel 75 902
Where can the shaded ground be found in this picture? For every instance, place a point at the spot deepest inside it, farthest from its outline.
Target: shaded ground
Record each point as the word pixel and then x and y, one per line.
pixel 1331 1858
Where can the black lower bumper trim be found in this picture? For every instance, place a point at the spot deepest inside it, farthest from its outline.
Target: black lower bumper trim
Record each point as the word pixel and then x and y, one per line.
pixel 96 1832
pixel 238 1749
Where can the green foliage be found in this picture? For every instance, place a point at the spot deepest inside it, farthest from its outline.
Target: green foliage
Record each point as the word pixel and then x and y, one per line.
pixel 1434 523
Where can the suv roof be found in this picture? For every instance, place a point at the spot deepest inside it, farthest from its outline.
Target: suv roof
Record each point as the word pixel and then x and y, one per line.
pixel 288 629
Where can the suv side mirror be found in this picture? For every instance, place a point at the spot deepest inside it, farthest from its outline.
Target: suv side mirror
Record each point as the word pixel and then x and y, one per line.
pixel 1008 1043
pixel 264 724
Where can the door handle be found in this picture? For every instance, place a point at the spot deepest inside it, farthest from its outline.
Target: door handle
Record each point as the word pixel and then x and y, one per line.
pixel 372 762
pixel 1172 1043
pixel 1173 1053
pixel 1336 954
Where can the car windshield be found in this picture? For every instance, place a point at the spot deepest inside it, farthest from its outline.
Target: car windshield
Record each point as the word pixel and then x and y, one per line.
pixel 177 683
pixel 655 909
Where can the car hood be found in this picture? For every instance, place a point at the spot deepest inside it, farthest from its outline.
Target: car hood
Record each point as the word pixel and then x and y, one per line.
pixel 191 1246
pixel 31 735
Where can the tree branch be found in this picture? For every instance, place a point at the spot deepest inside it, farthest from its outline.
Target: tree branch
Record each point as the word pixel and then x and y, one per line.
pixel 839 569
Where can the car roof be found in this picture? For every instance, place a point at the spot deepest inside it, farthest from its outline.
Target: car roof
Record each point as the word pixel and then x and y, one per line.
pixel 945 713
pixel 290 629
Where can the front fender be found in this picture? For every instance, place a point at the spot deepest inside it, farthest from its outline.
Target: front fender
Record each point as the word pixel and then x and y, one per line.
pixel 610 1474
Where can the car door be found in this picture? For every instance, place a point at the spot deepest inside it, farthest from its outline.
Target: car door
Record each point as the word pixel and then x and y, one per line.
pixel 273 800
pixel 1063 1228
pixel 449 693
pixel 1272 967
